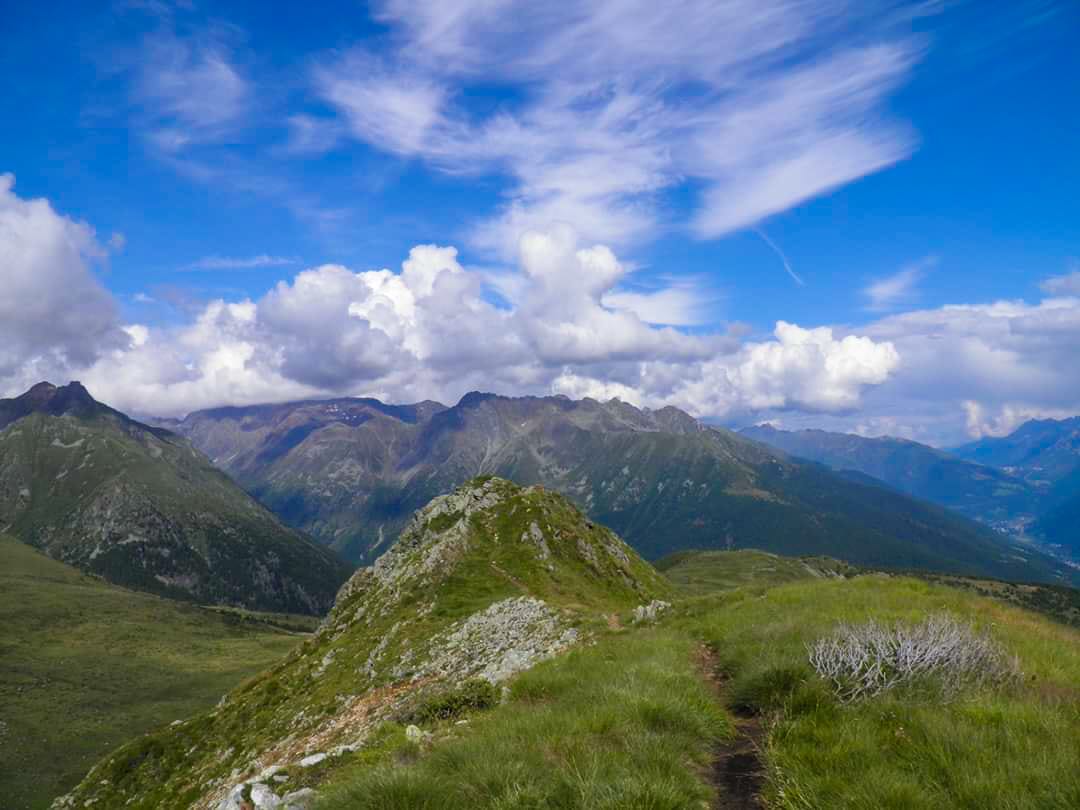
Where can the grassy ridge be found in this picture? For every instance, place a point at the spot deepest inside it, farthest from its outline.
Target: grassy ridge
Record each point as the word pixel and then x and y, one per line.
pixel 86 666
pixel 700 572
pixel 627 723
pixel 1015 749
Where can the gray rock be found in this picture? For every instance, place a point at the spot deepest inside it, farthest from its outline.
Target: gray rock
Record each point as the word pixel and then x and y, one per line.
pixel 313 759
pixel 651 611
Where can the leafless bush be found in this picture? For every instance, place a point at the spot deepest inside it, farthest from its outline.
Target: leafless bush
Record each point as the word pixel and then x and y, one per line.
pixel 868 659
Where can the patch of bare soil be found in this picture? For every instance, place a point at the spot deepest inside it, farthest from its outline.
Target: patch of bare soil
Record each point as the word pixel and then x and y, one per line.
pixel 738 768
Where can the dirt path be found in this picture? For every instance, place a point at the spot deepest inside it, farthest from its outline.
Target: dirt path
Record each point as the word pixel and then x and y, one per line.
pixel 737 771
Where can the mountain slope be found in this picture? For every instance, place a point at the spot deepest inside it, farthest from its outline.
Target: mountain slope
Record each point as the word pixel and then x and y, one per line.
pixel 483 583
pixel 1041 450
pixel 1060 527
pixel 140 507
pixel 977 491
pixel 350 471
pixel 1046 454
pixel 85 666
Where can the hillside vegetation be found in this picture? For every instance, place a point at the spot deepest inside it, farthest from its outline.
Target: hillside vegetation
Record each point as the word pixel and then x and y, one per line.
pixel 140 507
pixel 85 666
pixel 508 653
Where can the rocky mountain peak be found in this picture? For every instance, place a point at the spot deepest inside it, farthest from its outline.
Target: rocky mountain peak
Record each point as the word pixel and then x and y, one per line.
pixel 50 399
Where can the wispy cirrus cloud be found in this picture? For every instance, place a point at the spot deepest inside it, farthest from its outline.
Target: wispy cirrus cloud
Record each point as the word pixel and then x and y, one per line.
pixel 240 263
pixel 900 288
pixel 763 104
pixel 189 89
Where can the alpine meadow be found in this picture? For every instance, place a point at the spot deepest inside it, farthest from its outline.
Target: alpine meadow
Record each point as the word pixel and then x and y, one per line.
pixel 491 405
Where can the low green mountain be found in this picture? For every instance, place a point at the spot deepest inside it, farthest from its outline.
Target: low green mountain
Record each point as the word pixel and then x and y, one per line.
pixel 482 583
pixel 508 653
pixel 977 491
pixel 140 507
pixel 85 666
pixel 700 572
pixel 350 471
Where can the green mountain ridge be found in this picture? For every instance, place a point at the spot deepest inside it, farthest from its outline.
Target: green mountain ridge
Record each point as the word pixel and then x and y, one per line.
pixel 482 584
pixel 350 471
pixel 140 507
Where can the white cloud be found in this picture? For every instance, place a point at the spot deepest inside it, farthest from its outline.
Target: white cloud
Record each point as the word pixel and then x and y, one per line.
pixel 430 331
pixel 681 302
pixel 1068 284
pixel 189 89
pixel 54 314
pixel 888 292
pixel 240 263
pixel 985 367
pixel 765 103
pixel 427 331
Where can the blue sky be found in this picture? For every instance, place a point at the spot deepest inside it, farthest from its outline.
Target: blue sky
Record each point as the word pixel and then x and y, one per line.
pixel 865 168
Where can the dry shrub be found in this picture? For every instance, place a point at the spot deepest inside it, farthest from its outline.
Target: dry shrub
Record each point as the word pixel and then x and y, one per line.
pixel 868 659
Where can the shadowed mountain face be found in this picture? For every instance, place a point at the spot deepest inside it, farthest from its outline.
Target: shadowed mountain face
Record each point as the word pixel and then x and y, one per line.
pixel 141 507
pixel 350 471
pixel 982 493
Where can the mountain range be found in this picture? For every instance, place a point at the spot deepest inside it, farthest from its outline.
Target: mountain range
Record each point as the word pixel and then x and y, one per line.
pixel 140 507
pixel 1046 454
pixel 976 490
pixel 1025 483
pixel 350 471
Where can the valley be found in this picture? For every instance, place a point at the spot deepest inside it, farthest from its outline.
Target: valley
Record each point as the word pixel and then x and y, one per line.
pixel 86 666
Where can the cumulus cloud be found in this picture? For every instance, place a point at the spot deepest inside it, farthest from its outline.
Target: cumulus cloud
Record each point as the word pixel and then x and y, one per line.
pixel 54 313
pixel 765 103
pixel 986 367
pixel 432 329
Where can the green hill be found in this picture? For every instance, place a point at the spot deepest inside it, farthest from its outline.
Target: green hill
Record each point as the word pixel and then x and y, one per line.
pixel 482 583
pixel 142 508
pixel 351 471
pixel 501 655
pixel 85 666
pixel 698 572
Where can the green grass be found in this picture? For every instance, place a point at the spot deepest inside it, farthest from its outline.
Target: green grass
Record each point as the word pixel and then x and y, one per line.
pixel 86 666
pixel 993 748
pixel 628 723
pixel 700 572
